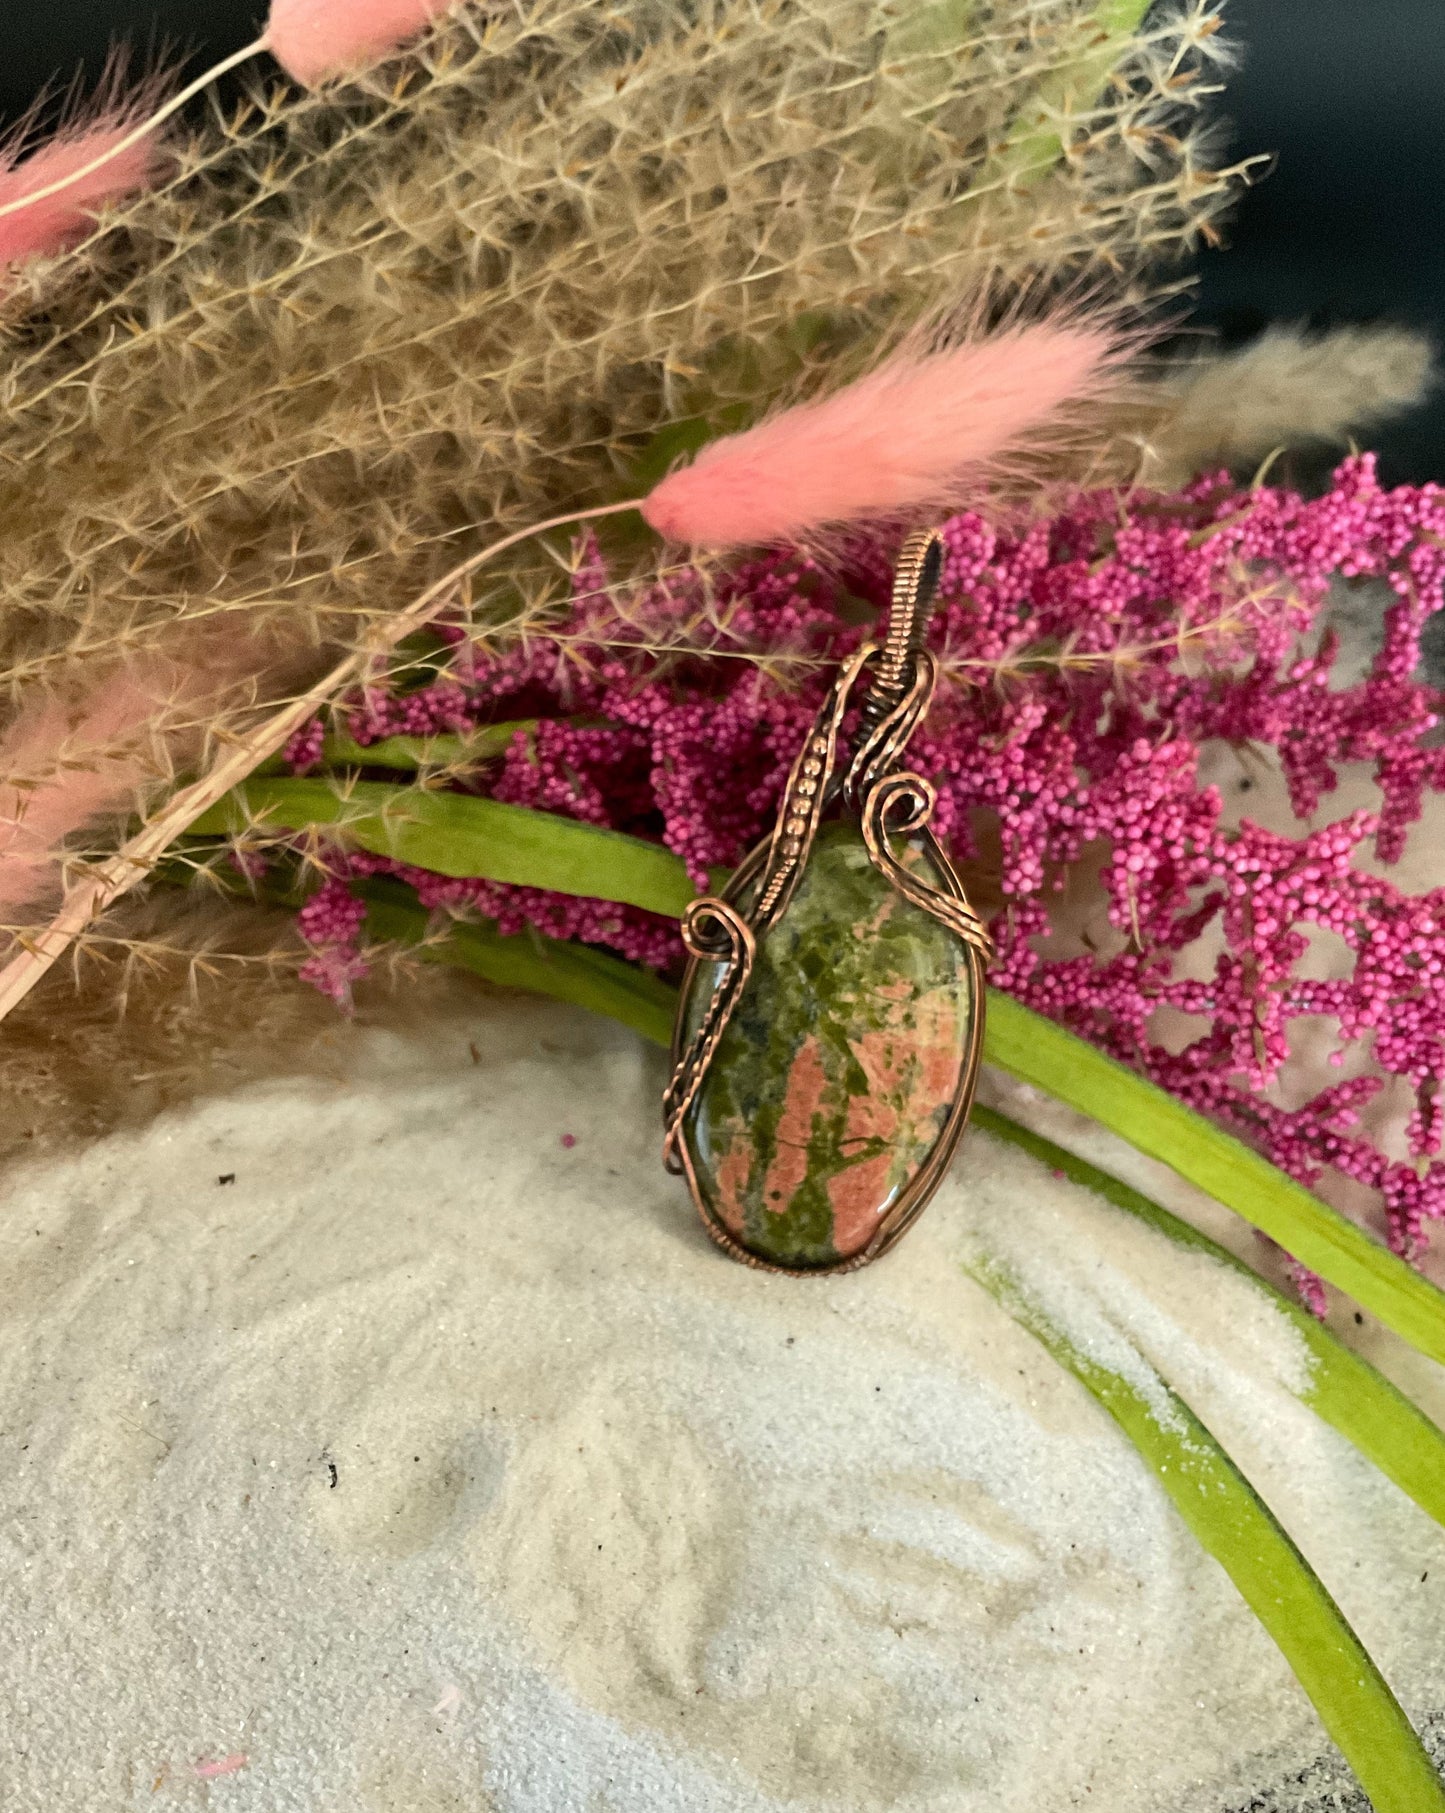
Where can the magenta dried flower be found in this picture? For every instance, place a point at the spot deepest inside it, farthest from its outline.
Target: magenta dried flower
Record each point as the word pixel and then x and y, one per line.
pixel 331 922
pixel 1093 665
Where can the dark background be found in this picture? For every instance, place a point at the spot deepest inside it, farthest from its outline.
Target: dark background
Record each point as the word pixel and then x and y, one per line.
pixel 1348 94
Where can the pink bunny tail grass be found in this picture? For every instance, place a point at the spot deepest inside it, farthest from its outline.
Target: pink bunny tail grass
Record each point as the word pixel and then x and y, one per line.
pixel 913 436
pixel 63 215
pixel 63 768
pixel 314 39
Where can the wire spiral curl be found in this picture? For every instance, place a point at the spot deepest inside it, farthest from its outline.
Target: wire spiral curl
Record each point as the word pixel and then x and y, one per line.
pixel 897 806
pixel 714 932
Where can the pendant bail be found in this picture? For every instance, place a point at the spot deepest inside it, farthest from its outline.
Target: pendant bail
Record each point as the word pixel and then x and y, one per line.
pixel 915 585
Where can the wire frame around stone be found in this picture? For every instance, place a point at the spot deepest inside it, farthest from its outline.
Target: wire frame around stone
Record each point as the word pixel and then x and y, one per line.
pixel 888 802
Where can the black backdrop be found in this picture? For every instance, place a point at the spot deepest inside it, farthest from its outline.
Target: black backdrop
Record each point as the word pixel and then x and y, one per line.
pixel 1349 95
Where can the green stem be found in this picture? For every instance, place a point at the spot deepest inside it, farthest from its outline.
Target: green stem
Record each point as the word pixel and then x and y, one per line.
pixel 1232 1523
pixel 408 753
pixel 1343 1390
pixel 1036 1050
pixel 455 834
pixel 547 966
pixel 1034 143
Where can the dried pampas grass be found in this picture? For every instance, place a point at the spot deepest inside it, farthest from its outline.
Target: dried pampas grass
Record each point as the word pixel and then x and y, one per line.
pixel 185 995
pixel 181 994
pixel 356 329
pixel 356 335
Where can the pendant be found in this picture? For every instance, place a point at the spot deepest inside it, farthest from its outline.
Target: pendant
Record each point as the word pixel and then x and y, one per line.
pixel 828 1034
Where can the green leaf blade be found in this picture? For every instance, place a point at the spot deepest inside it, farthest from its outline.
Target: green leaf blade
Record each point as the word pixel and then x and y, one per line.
pixel 406 754
pixel 547 966
pixel 1234 1525
pixel 460 835
pixel 1344 1390
pixel 1038 1051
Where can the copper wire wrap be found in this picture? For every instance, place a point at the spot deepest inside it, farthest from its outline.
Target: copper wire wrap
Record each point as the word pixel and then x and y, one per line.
pixel 908 800
pixel 889 801
pixel 713 932
pixel 915 584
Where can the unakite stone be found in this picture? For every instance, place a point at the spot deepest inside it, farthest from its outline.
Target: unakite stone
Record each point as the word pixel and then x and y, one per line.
pixel 834 1079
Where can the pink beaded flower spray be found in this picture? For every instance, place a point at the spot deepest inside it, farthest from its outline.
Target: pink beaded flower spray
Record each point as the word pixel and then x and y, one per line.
pixel 1119 681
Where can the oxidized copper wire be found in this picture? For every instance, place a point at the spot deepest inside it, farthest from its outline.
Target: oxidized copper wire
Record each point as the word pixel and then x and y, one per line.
pixel 732 944
pixel 889 801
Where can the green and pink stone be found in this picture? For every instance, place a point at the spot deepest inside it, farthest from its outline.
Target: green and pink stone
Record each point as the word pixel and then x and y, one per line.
pixel 836 1075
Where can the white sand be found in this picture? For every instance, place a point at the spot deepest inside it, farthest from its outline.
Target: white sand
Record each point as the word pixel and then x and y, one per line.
pixel 616 1525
